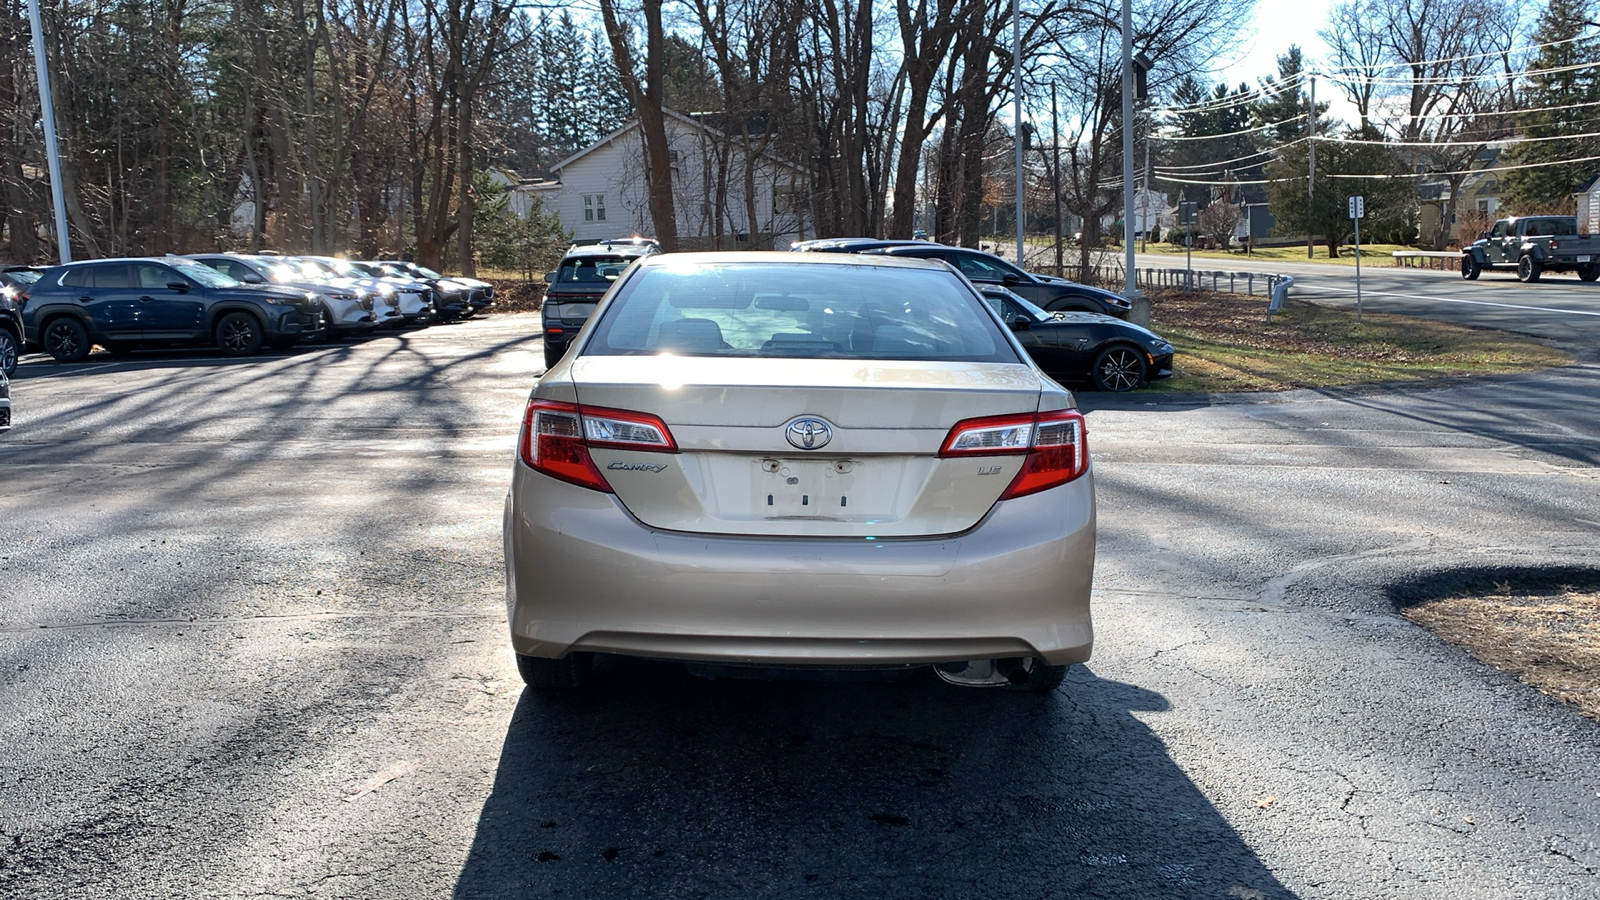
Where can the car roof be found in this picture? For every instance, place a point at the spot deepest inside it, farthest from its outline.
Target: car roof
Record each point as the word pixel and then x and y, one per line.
pixel 784 257
pixel 610 249
pixel 848 244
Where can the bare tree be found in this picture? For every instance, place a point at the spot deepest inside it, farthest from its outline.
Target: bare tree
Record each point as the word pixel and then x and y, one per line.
pixel 1433 75
pixel 649 102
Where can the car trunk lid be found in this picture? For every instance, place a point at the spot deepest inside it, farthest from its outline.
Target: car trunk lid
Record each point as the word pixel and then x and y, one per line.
pixel 808 447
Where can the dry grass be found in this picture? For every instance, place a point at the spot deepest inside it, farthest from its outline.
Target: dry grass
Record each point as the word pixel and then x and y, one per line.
pixel 1225 344
pixel 1548 640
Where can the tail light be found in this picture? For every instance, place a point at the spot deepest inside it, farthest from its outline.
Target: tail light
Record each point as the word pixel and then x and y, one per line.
pixel 1055 445
pixel 556 438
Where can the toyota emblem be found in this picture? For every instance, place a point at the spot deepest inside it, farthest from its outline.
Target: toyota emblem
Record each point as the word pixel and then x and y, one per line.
pixel 808 434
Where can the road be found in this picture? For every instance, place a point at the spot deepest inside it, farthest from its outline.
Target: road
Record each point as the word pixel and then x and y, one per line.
pixel 254 646
pixel 1559 307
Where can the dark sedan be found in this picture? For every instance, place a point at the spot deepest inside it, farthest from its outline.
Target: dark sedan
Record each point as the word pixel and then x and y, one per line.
pixel 1109 353
pixel 1045 291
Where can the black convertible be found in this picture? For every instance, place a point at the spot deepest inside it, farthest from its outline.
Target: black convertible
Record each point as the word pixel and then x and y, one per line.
pixel 1111 354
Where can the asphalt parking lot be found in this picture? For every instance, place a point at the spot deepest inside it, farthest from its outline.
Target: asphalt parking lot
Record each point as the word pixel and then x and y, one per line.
pixel 254 646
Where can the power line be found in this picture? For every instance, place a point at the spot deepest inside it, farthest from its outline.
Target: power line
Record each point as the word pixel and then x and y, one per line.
pixel 1208 137
pixel 1450 59
pixel 1463 78
pixel 1268 152
pixel 1384 176
pixel 1507 139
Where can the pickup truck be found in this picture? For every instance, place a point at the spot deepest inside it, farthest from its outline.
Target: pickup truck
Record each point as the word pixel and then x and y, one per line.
pixel 1533 245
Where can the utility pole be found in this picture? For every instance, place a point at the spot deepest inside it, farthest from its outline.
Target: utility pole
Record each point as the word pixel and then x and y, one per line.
pixel 1140 314
pixel 1144 214
pixel 1311 155
pixel 1055 170
pixel 1016 118
pixel 47 108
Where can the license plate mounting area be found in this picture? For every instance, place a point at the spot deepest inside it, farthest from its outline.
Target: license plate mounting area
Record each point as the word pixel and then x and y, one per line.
pixel 805 488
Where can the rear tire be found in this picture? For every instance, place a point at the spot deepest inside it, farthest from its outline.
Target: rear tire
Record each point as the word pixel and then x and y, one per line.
pixel 65 339
pixel 1529 269
pixel 552 356
pixel 1042 679
pixel 565 674
pixel 1470 270
pixel 1589 272
pixel 239 334
pixel 1118 368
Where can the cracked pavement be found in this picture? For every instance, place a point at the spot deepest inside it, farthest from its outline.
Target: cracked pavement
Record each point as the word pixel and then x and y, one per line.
pixel 235 595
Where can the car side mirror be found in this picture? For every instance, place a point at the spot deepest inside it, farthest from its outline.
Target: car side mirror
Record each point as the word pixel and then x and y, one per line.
pixel 181 287
pixel 252 278
pixel 549 278
pixel 1485 235
pixel 1020 323
pixel 1010 278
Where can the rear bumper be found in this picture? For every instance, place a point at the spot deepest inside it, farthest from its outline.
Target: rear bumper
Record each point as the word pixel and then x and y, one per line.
pixel 583 575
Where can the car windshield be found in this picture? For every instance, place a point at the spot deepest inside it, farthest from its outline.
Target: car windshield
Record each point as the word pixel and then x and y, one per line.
pixel 591 269
pixel 23 276
pixel 314 269
pixel 282 273
pixel 768 310
pixel 425 272
pixel 998 301
pixel 207 276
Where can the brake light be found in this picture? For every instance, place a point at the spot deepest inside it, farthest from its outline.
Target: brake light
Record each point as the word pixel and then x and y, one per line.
pixel 556 438
pixel 1055 444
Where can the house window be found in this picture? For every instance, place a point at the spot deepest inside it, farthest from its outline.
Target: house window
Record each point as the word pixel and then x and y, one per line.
pixel 594 207
pixel 1487 205
pixel 787 199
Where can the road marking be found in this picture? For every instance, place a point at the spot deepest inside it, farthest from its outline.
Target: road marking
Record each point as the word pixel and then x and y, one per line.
pixel 74 371
pixel 1367 293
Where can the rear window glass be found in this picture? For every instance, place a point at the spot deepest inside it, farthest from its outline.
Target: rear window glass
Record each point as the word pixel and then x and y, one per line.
pixel 807 311
pixel 596 270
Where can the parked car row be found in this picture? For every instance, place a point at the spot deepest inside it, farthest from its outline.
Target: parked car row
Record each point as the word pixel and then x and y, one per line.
pixel 237 302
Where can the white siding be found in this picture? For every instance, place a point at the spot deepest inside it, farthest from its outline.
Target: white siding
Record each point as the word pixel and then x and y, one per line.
pixel 615 170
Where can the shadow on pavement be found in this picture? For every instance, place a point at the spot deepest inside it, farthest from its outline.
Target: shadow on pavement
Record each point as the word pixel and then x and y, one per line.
pixel 1478 580
pixel 654 783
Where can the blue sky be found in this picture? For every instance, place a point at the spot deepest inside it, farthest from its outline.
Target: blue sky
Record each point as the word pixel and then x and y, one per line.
pixel 1277 25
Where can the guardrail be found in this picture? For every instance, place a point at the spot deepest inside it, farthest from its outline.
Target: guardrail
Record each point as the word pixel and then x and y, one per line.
pixel 1449 260
pixel 1274 287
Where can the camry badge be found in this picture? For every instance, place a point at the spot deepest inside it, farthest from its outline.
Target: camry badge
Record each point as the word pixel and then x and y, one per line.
pixel 808 434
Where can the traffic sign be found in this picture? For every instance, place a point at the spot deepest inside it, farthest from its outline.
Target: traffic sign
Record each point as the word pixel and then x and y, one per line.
pixel 1358 207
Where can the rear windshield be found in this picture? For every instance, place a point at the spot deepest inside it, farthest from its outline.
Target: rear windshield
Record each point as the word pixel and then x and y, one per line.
pixel 593 270
pixel 809 311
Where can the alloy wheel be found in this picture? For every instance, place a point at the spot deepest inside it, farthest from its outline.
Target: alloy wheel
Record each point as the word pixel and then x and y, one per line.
pixel 1120 369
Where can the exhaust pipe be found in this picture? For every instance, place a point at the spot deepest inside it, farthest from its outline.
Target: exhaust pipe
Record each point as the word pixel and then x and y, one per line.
pixel 1012 670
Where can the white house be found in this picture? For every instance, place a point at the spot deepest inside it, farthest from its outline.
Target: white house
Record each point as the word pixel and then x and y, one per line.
pixel 600 191
pixel 1588 198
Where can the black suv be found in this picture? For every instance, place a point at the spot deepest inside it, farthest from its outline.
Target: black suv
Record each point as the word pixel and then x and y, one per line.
pixel 573 289
pixel 124 303
pixel 1046 291
pixel 13 280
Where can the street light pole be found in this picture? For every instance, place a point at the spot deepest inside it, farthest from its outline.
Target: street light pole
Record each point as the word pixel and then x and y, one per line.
pixel 48 110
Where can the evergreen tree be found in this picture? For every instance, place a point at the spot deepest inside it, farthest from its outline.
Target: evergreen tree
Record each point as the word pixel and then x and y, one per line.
pixel 1208 137
pixel 607 101
pixel 562 89
pixel 1282 107
pixel 1562 77
pixel 1389 200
